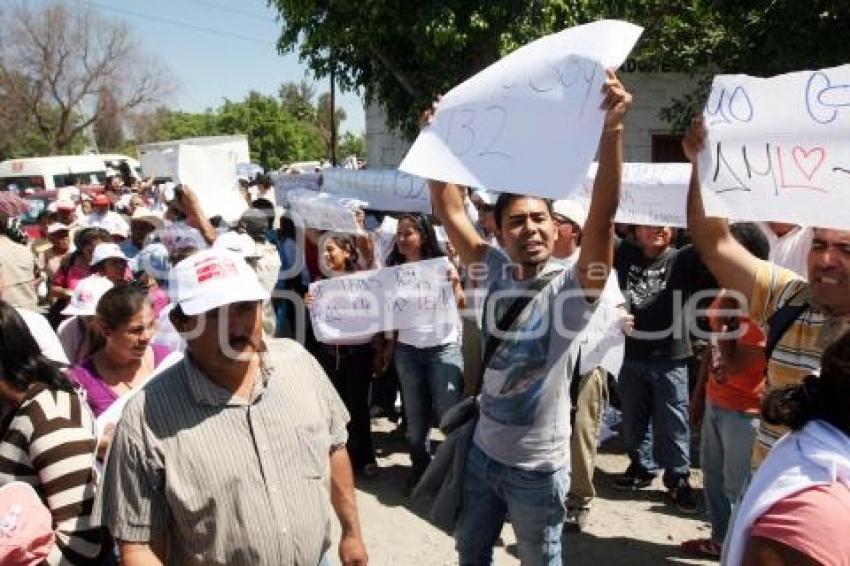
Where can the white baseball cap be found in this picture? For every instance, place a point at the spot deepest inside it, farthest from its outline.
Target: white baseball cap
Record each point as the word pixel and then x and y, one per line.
pixel 105 251
pixel 86 295
pixel 57 227
pixel 241 244
pixel 211 279
pixel 571 210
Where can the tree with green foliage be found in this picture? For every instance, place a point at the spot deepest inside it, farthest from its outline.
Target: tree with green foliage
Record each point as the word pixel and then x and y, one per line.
pixel 404 54
pixel 297 99
pixel 352 144
pixel 274 135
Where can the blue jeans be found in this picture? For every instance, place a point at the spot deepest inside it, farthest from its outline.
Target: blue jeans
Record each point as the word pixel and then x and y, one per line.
pixel 725 450
pixel 656 391
pixel 534 500
pixel 429 377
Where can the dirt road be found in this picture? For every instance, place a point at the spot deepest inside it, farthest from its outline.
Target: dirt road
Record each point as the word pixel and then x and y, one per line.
pixel 633 529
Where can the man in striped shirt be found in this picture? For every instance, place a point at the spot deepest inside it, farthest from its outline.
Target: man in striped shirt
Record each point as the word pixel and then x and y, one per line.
pixel 823 301
pixel 236 454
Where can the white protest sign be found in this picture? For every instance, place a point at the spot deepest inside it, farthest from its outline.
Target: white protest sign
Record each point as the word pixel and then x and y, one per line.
pixel 383 239
pixel 381 189
pixel 529 123
pixel 324 211
pixel 393 298
pixel 211 173
pixel 285 182
pixel 602 342
pixel 653 194
pixel 778 148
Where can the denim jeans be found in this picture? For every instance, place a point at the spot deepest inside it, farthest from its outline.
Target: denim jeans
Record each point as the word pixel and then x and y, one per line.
pixel 725 450
pixel 534 500
pixel 429 377
pixel 656 392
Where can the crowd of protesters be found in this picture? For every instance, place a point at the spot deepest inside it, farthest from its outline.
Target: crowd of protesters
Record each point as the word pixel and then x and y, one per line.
pixel 162 392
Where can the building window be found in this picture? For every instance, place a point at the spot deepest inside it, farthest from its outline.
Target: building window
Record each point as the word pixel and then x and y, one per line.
pixel 667 148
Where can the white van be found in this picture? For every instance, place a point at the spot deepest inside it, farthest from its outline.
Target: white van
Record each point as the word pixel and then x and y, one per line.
pixel 50 173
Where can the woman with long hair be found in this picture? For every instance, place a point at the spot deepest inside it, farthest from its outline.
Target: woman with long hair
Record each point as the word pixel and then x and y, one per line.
pixel 348 361
pixel 47 440
pixel 797 508
pixel 427 358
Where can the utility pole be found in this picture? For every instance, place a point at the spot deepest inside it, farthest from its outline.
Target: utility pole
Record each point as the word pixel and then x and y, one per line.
pixel 333 116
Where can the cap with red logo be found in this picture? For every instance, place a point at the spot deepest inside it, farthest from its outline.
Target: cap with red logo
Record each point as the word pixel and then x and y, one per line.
pixel 211 279
pixel 86 295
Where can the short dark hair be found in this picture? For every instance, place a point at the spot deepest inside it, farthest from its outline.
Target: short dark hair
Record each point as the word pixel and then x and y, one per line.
pixel 505 199
pixel 752 238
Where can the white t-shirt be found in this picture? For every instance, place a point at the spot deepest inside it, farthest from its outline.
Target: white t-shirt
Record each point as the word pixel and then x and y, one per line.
pixel 44 335
pixel 790 251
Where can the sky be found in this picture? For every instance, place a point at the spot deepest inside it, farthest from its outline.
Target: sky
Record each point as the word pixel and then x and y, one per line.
pixel 218 49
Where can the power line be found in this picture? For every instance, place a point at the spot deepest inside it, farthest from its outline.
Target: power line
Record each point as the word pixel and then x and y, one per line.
pixel 214 6
pixel 180 23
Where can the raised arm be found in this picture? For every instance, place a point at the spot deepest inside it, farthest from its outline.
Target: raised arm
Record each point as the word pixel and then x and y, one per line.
pixel 448 207
pixel 597 246
pixel 730 263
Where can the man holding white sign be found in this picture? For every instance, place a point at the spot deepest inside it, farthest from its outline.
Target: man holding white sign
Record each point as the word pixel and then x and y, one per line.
pixel 519 459
pixel 801 318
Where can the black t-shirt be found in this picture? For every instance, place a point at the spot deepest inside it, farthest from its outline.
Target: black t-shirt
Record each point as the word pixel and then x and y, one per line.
pixel 657 293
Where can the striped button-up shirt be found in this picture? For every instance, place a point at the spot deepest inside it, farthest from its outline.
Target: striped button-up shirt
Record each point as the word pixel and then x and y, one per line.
pixel 233 481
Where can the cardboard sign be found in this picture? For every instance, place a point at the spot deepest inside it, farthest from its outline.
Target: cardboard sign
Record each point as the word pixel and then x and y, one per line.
pixel 392 298
pixel 529 123
pixel 380 189
pixel 324 211
pixel 653 194
pixel 778 149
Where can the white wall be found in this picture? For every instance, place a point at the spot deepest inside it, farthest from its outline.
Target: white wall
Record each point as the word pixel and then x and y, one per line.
pixel 652 92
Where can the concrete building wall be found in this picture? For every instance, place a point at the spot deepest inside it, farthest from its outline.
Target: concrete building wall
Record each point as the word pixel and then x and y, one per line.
pixel 652 92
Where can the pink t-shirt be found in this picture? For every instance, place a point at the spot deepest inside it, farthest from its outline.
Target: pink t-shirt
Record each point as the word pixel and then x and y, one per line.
pixel 98 394
pixel 68 279
pixel 814 522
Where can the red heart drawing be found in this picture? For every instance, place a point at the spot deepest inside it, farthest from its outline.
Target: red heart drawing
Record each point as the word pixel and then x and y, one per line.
pixel 808 161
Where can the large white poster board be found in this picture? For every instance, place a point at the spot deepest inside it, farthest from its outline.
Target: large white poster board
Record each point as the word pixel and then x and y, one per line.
pixel 393 298
pixel 381 189
pixel 653 194
pixel 211 172
pixel 529 123
pixel 324 211
pixel 778 148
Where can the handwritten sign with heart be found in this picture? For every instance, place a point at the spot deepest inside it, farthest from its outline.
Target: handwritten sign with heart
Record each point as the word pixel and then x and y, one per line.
pixel 778 148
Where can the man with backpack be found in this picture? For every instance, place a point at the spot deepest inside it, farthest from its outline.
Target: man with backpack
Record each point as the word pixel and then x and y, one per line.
pixel 518 462
pixel 801 317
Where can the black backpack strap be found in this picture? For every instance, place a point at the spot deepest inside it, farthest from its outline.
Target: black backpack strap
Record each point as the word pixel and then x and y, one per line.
pixel 508 319
pixel 780 321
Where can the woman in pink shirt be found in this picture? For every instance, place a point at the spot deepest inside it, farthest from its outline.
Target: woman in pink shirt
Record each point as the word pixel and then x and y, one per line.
pixel 797 508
